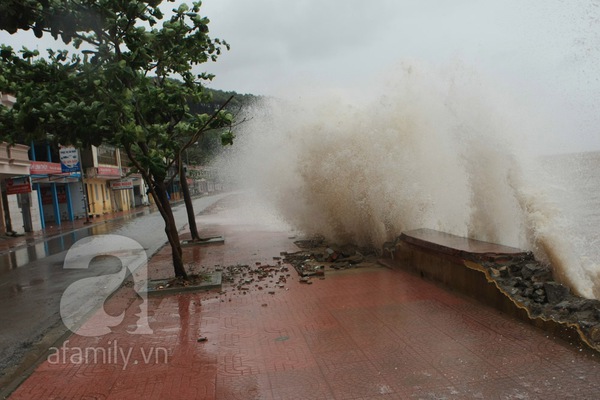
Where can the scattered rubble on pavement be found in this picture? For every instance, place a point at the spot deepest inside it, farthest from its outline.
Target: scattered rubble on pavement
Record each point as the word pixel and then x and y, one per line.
pixel 243 278
pixel 314 260
pixel 318 257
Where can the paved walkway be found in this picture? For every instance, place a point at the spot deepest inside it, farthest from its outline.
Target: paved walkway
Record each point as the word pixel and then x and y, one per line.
pixel 371 333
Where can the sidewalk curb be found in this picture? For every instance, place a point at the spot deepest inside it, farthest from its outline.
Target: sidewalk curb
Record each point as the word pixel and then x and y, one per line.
pixel 214 283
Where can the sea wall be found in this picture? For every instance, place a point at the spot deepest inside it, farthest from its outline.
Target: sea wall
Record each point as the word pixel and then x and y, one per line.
pixel 505 278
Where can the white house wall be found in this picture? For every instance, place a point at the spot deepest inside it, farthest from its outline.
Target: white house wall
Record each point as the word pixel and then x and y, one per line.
pixel 16 214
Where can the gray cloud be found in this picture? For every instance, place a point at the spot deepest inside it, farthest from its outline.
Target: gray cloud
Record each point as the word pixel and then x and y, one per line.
pixel 545 51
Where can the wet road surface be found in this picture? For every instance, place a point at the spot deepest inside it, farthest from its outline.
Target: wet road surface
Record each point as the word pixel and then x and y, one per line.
pixel 32 278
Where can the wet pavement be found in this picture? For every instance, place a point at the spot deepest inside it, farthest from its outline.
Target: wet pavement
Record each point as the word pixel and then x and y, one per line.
pixel 67 230
pixel 33 280
pixel 365 333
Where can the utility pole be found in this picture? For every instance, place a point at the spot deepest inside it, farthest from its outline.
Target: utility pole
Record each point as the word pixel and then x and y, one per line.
pixel 83 191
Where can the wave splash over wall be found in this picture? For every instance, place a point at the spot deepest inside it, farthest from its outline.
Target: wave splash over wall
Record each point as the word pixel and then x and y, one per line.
pixel 424 148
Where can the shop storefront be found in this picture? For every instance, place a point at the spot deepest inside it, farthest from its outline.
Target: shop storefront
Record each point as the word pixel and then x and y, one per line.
pixel 20 211
pixel 60 195
pixel 137 187
pixel 102 198
pixel 17 213
pixel 123 194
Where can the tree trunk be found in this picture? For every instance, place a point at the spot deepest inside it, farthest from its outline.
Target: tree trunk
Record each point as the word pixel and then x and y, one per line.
pixel 158 191
pixel 188 202
pixel 160 195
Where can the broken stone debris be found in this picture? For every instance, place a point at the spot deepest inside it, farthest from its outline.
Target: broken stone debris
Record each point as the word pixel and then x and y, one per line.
pixel 316 257
pixel 242 278
pixel 532 285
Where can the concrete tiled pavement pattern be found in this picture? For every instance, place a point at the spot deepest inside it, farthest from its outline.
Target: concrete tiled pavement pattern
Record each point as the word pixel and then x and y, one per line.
pixel 370 333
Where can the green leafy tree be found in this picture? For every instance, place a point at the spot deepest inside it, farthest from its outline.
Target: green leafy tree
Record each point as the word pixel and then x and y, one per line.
pixel 118 88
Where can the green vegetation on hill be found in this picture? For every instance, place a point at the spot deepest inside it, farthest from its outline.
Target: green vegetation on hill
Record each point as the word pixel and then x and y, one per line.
pixel 209 145
pixel 219 97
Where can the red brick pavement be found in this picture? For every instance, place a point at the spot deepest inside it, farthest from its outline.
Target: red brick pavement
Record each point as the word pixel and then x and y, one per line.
pixel 370 333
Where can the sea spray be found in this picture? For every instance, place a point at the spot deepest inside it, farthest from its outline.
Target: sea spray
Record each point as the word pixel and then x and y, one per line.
pixel 431 148
pixel 568 230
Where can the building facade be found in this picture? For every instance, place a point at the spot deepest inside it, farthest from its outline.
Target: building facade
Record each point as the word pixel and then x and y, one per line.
pixel 109 185
pixel 36 193
pixel 59 194
pixel 18 213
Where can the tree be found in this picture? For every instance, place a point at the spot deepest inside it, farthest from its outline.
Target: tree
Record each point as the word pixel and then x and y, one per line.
pixel 58 17
pixel 118 88
pixel 187 197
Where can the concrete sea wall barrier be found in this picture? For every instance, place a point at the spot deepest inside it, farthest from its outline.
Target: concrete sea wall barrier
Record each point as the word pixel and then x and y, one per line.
pixel 505 278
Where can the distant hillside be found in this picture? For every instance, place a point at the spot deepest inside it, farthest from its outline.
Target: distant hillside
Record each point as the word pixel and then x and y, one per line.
pixel 209 145
pixel 219 97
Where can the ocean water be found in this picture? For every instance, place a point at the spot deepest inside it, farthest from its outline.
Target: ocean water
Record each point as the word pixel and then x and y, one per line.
pixel 425 148
pixel 573 243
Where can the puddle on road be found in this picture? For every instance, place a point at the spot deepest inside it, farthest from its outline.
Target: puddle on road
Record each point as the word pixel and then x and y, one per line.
pixel 18 287
pixel 37 251
pixel 33 251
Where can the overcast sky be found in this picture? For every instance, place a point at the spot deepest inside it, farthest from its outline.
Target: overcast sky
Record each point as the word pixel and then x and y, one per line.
pixel 276 43
pixel 546 52
pixel 546 49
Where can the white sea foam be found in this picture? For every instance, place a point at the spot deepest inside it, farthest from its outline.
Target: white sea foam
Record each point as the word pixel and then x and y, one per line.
pixel 435 149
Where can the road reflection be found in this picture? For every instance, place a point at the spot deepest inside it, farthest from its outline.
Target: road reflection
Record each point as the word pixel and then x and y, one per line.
pixel 34 251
